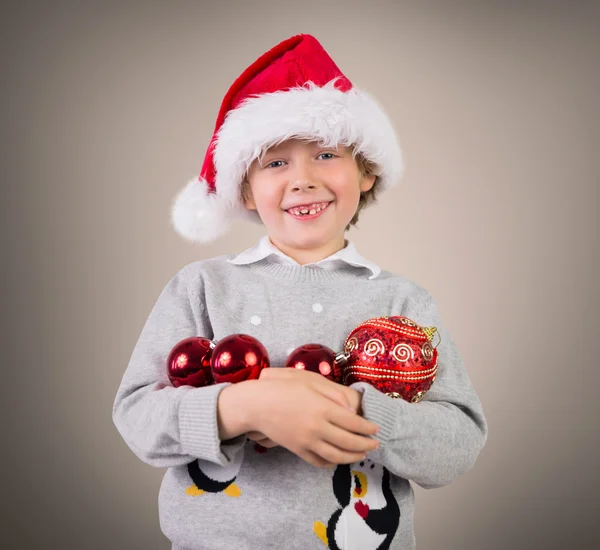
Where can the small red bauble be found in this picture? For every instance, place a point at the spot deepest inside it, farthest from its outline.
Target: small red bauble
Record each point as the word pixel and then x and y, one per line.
pixel 188 363
pixel 315 358
pixel 238 357
pixel 394 355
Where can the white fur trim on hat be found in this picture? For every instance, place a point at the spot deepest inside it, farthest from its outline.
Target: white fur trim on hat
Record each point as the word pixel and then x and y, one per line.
pixel 325 114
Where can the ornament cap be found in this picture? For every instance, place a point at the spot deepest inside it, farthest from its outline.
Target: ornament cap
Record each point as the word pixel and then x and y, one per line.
pixel 341 358
pixel 430 332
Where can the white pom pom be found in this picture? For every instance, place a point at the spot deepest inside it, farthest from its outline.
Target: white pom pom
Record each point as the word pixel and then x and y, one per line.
pixel 199 216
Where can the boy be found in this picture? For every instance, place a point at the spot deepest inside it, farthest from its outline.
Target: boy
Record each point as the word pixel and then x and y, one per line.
pixel 299 148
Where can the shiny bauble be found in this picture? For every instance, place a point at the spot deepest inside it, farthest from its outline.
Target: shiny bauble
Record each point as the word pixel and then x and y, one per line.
pixel 393 354
pixel 315 358
pixel 188 363
pixel 238 357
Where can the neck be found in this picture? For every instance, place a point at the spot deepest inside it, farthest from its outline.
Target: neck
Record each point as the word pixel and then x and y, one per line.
pixel 310 255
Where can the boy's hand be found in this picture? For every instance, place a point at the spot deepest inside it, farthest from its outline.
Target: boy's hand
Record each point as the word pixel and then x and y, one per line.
pixel 347 397
pixel 344 396
pixel 309 415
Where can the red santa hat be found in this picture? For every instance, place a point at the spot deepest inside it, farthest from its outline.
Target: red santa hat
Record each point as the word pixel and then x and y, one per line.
pixel 295 90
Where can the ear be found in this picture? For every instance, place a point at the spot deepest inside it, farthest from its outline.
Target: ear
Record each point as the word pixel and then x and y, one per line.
pixel 250 204
pixel 247 197
pixel 367 183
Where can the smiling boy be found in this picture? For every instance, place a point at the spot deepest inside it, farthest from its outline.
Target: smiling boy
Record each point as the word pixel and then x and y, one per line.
pixel 298 148
pixel 306 195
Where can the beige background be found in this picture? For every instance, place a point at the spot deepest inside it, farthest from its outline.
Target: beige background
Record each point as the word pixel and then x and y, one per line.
pixel 107 110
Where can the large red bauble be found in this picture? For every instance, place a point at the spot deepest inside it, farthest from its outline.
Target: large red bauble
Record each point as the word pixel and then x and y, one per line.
pixel 315 358
pixel 238 357
pixel 188 363
pixel 393 354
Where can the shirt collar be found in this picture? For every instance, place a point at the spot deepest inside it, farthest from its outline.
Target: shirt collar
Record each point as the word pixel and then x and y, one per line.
pixel 266 249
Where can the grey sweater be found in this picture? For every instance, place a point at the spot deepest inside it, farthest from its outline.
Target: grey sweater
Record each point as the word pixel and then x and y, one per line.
pixel 233 495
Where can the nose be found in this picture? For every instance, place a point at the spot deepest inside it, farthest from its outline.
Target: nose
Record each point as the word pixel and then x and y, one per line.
pixel 302 178
pixel 303 186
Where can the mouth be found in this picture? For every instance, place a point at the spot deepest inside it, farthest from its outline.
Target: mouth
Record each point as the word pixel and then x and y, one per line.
pixel 308 211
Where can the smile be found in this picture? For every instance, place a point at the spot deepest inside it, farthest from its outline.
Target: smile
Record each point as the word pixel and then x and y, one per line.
pixel 308 211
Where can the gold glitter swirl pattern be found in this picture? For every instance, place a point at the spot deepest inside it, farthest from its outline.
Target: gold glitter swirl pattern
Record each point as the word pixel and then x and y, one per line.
pixel 351 345
pixel 374 347
pixel 409 322
pixel 403 353
pixel 427 350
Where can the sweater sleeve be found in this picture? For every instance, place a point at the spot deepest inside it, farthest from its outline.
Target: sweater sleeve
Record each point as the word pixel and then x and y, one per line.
pixel 438 439
pixel 166 426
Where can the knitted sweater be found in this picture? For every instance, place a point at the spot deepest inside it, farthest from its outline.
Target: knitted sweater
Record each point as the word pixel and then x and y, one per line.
pixel 233 495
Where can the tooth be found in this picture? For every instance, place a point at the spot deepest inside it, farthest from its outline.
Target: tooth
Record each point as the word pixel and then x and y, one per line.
pixel 313 212
pixel 304 210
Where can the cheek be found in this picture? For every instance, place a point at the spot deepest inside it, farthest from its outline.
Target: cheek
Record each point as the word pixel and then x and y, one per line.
pixel 267 205
pixel 350 193
pixel 268 200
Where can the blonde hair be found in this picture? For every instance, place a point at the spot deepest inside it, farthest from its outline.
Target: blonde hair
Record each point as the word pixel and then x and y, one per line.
pixel 365 167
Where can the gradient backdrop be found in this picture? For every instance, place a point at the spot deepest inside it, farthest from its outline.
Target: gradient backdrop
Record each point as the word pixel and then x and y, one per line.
pixel 107 110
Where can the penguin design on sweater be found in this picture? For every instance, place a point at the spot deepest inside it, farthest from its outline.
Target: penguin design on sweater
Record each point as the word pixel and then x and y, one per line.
pixel 214 478
pixel 369 515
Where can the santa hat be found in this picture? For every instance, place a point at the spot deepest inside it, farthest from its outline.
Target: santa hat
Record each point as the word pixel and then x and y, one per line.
pixel 295 90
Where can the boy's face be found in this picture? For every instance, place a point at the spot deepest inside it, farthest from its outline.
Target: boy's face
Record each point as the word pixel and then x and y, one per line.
pixel 306 194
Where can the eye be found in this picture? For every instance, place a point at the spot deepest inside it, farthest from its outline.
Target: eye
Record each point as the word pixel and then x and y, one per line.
pixel 326 156
pixel 274 164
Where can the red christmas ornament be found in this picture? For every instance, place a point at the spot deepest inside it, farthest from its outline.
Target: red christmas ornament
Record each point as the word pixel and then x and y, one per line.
pixel 238 357
pixel 188 363
pixel 316 358
pixel 394 354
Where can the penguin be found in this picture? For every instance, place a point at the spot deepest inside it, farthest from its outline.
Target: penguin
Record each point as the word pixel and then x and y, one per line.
pixel 369 515
pixel 209 477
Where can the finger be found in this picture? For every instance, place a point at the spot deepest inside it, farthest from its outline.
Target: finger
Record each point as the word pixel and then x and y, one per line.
pixel 337 399
pixel 333 455
pixel 351 422
pixel 331 390
pixel 348 441
pixel 255 436
pixel 261 439
pixel 315 460
pixel 267 443
pixel 276 373
pixel 265 373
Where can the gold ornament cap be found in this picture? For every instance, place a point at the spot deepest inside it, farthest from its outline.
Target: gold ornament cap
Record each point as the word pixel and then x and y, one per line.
pixel 430 332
